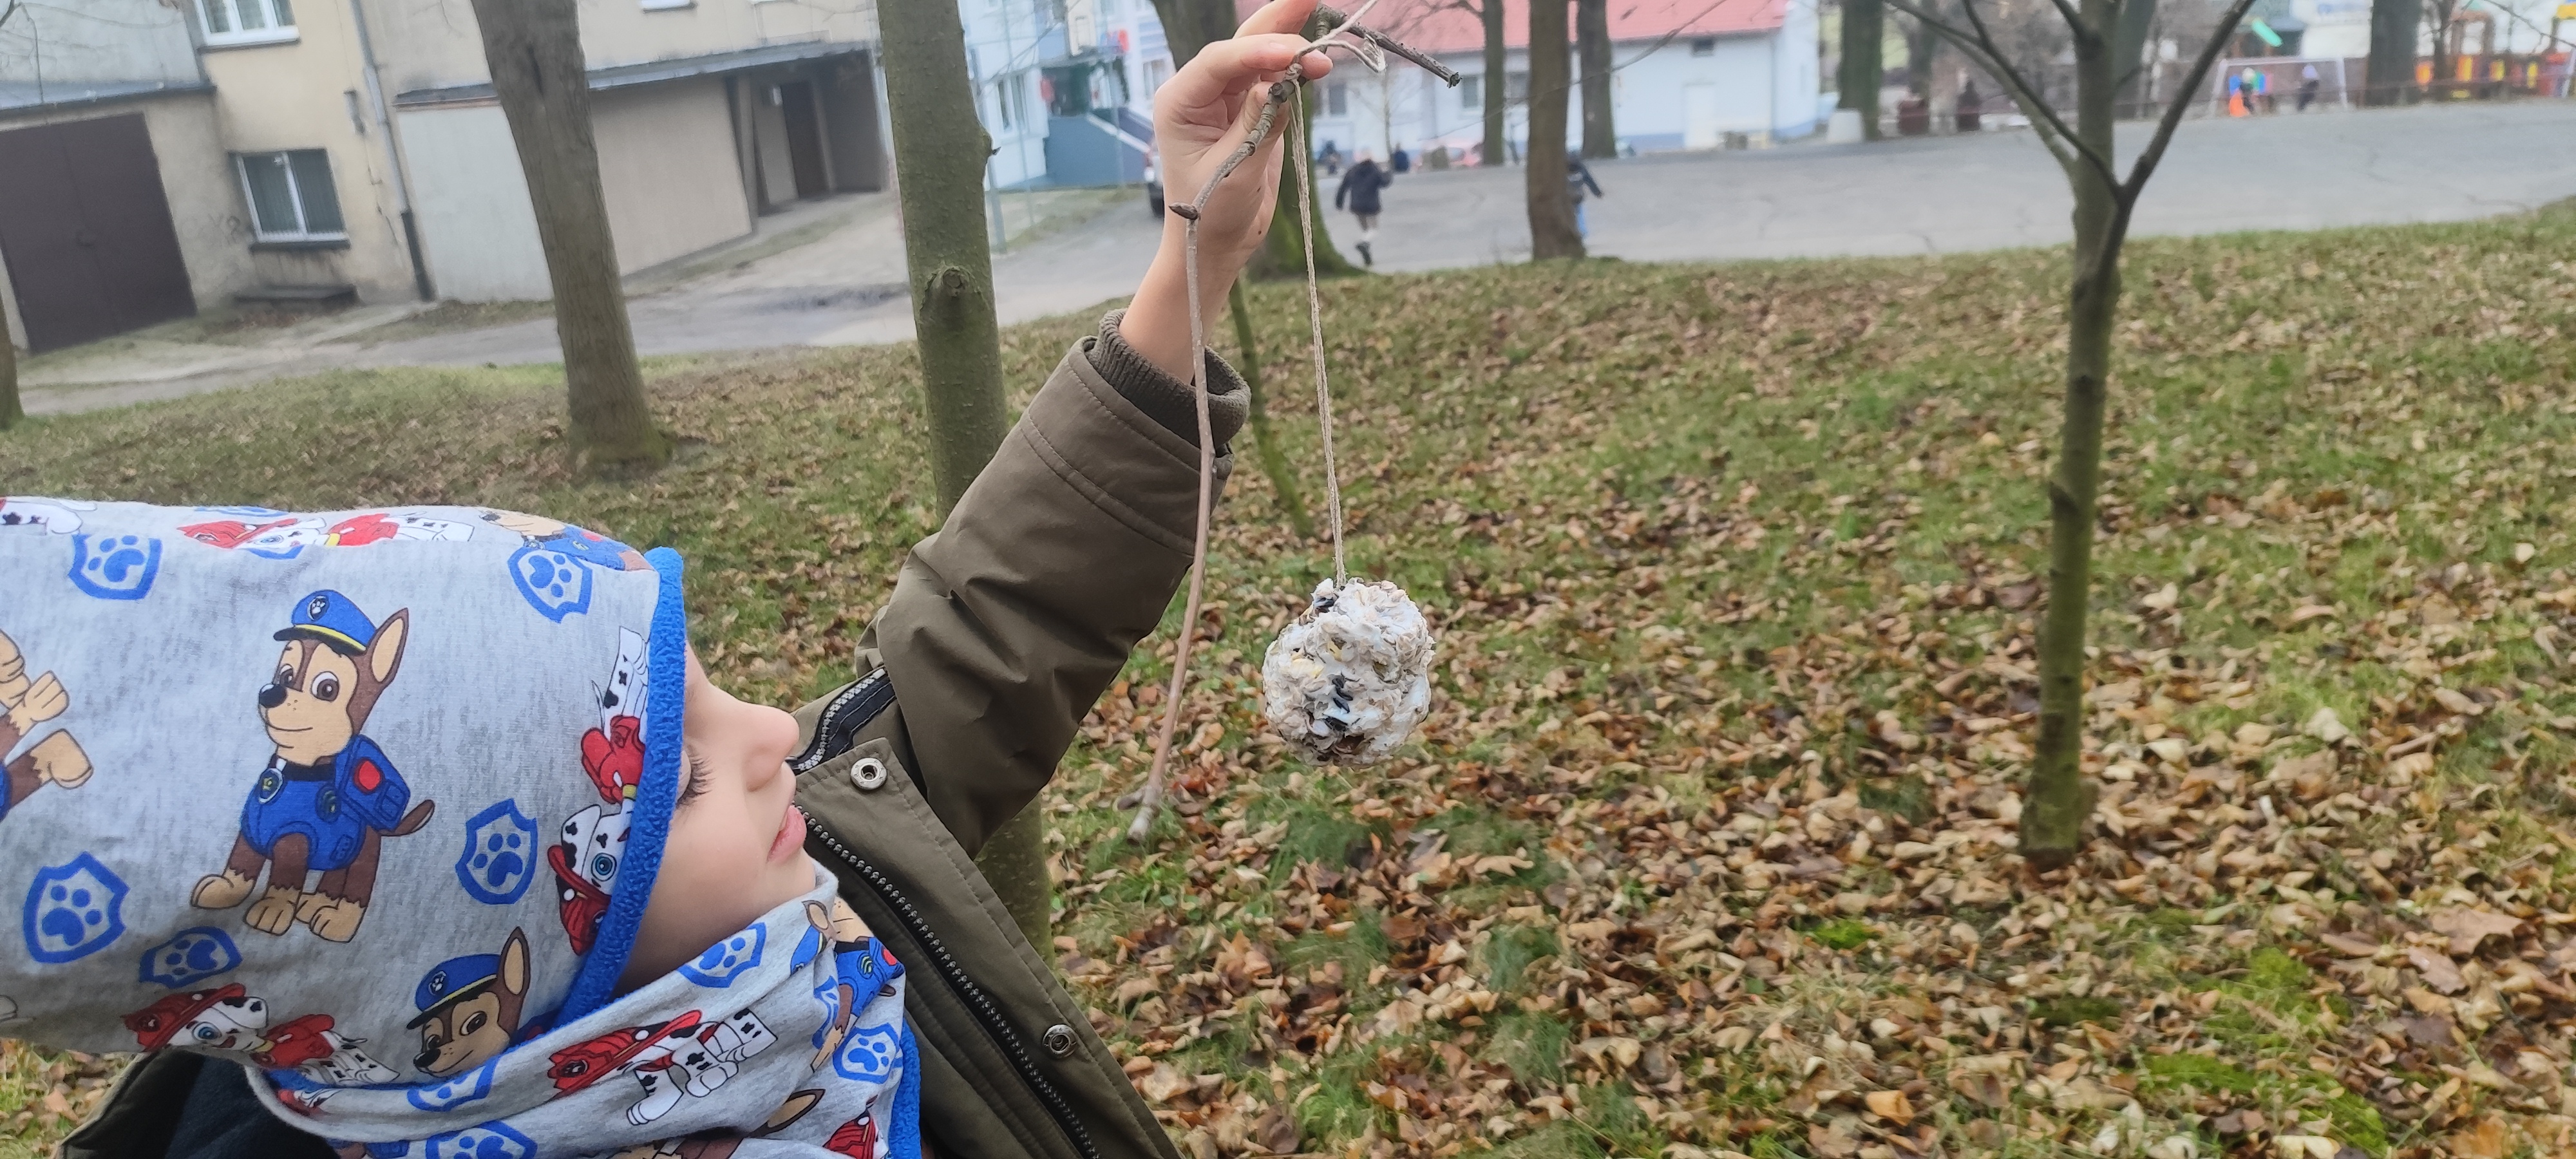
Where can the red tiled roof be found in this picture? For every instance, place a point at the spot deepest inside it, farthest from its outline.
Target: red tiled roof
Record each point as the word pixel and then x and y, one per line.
pixel 1439 26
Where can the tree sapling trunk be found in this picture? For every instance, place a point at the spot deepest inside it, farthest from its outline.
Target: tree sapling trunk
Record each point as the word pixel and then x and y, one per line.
pixel 939 150
pixel 10 411
pixel 534 50
pixel 1274 459
pixel 2060 800
pixel 1551 207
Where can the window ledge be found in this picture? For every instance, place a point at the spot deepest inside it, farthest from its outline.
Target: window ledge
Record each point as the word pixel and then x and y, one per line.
pixel 253 40
pixel 669 5
pixel 299 245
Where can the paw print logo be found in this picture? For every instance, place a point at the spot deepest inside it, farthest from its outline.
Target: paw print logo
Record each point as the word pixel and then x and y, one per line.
pixel 500 856
pixel 73 910
pixel 191 956
pixel 456 1092
pixel 115 567
pixel 554 583
pixel 494 1140
pixel 728 958
pixel 870 1054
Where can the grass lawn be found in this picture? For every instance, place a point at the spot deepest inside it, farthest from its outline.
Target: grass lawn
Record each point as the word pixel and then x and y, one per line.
pixel 1708 847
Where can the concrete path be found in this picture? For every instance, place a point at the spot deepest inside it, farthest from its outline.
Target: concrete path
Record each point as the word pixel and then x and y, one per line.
pixel 1931 195
pixel 2001 189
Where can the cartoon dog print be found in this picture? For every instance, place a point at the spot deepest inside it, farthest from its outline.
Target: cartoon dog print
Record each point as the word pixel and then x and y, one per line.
pixel 229 1019
pixel 470 1008
pixel 556 535
pixel 59 516
pixel 329 796
pixel 286 536
pixel 26 702
pixel 840 926
pixel 686 1057
pixel 592 842
pixel 722 1144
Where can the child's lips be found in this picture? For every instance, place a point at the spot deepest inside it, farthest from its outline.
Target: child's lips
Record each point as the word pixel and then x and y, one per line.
pixel 791 836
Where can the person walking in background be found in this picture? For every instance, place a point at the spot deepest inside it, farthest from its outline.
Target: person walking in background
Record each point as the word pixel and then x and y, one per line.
pixel 2308 82
pixel 1578 177
pixel 1359 192
pixel 1400 161
pixel 1331 159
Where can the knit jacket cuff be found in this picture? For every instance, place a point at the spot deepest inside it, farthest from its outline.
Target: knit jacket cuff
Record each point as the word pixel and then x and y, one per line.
pixel 1166 399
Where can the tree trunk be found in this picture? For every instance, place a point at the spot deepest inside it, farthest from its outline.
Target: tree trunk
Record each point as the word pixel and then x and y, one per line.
pixel 2060 800
pixel 1283 252
pixel 534 50
pixel 10 411
pixel 2437 15
pixel 1864 26
pixel 939 150
pixel 2129 54
pixel 1274 459
pixel 1551 208
pixel 1592 40
pixel 2389 77
pixel 1497 91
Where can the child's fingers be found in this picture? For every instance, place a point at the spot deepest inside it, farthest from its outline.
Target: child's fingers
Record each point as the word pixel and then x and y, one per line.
pixel 1232 66
pixel 1278 16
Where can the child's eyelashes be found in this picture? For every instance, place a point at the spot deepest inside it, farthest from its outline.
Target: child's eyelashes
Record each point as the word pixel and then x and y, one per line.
pixel 696 783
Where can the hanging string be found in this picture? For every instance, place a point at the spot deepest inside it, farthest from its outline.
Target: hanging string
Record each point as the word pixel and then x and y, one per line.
pixel 1315 343
pixel 1369 47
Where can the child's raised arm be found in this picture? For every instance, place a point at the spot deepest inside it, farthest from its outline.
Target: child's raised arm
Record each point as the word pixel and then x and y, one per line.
pixel 1200 116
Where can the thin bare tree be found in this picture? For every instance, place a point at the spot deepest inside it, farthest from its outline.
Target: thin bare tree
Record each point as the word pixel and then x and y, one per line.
pixel 534 50
pixel 1863 71
pixel 2060 800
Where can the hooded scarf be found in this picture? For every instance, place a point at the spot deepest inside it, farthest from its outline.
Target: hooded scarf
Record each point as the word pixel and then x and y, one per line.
pixel 370 803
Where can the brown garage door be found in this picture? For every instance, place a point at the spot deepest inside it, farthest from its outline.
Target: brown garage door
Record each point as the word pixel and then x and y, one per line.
pixel 86 231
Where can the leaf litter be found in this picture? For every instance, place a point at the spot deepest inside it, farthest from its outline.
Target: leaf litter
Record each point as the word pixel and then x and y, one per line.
pixel 1707 845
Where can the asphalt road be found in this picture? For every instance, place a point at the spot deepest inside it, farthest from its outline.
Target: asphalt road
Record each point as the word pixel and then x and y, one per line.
pixel 1926 195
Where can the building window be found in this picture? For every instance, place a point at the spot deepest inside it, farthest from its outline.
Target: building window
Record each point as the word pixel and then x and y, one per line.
pixel 247 21
pixel 1515 88
pixel 1471 92
pixel 291 198
pixel 1704 46
pixel 1157 71
pixel 1337 99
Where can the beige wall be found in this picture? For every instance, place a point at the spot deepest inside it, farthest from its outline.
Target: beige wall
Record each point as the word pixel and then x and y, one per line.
pixel 196 176
pixel 666 162
pixel 310 94
pixel 434 43
pixel 476 225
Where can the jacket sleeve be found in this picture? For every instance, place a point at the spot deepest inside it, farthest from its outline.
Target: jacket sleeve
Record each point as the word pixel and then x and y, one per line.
pixel 1008 623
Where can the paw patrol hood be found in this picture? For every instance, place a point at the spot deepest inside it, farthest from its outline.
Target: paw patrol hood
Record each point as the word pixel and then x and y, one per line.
pixel 370 803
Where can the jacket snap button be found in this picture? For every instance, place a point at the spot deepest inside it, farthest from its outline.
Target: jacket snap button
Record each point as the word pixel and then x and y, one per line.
pixel 1059 1040
pixel 869 773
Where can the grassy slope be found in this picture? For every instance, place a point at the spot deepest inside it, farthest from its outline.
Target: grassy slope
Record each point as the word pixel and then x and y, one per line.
pixel 1709 841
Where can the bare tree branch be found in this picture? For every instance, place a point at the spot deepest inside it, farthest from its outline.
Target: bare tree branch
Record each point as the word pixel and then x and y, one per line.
pixel 2030 99
pixel 1982 52
pixel 2183 98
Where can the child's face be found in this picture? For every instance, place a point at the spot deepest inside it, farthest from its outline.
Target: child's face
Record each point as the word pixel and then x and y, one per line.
pixel 737 844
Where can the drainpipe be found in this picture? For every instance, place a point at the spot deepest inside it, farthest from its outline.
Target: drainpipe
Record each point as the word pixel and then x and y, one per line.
pixel 393 151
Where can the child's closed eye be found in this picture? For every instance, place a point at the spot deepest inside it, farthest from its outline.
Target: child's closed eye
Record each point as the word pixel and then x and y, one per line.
pixel 698 775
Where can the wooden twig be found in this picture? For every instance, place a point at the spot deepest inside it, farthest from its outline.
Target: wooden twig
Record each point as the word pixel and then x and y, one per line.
pixel 1341 23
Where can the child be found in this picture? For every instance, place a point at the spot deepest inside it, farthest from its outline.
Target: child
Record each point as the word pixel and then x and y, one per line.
pixel 428 821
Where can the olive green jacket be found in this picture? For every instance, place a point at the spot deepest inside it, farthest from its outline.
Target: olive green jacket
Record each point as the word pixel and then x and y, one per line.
pixel 1003 628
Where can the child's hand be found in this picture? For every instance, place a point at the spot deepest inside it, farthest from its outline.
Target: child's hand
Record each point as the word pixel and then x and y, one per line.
pixel 1200 117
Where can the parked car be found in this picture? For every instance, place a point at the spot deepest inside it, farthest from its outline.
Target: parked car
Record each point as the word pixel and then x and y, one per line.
pixel 1154 189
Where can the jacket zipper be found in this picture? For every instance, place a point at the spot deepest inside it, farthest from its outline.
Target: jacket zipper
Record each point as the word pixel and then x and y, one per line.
pixel 960 983
pixel 849 712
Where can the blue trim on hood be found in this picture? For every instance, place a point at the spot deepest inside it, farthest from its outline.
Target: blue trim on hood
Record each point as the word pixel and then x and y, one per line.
pixel 654 802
